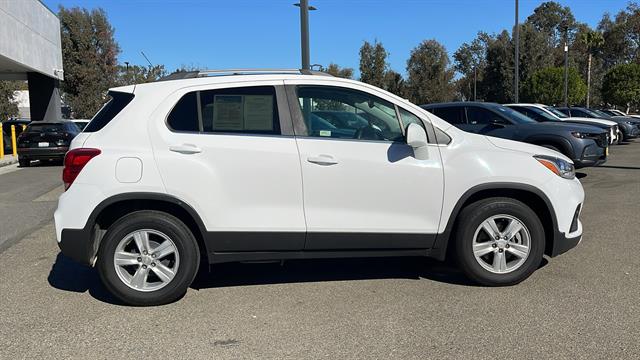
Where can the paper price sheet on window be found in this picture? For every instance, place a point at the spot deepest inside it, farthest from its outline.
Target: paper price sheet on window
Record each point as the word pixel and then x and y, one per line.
pixel 243 112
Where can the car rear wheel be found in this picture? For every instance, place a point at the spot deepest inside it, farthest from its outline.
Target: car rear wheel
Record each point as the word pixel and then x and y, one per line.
pixel 148 258
pixel 24 162
pixel 500 241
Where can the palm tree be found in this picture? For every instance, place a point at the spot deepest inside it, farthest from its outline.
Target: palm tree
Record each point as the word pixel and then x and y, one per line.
pixel 593 40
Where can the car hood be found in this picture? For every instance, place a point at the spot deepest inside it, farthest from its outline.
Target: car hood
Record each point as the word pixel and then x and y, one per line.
pixel 525 148
pixel 550 126
pixel 598 121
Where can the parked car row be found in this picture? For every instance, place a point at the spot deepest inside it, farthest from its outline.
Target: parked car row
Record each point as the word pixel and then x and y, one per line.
pixel 583 135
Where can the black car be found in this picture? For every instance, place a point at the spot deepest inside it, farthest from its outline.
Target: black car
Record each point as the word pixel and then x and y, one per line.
pixel 46 141
pixel 6 131
pixel 630 127
pixel 585 145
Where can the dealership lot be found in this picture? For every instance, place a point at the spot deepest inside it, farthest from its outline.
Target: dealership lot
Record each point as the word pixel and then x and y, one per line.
pixel 583 304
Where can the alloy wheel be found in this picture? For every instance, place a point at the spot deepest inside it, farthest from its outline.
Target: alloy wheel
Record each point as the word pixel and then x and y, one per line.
pixel 501 244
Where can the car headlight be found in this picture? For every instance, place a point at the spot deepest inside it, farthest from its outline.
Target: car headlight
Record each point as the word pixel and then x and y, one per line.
pixel 581 135
pixel 560 167
pixel 630 122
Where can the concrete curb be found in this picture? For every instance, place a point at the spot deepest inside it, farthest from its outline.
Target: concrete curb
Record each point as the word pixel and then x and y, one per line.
pixel 8 160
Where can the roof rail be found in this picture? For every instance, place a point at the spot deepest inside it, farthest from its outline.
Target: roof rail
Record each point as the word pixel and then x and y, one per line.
pixel 229 72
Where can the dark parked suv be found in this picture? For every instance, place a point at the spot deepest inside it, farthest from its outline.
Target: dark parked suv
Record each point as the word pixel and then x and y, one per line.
pixel 630 127
pixel 46 141
pixel 585 145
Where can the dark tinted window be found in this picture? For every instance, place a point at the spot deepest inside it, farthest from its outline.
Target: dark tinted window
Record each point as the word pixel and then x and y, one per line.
pixel 453 115
pixel 480 116
pixel 250 110
pixel 46 128
pixel 117 102
pixel 184 116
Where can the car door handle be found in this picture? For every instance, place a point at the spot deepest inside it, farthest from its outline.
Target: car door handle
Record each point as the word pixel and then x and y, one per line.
pixel 185 149
pixel 322 160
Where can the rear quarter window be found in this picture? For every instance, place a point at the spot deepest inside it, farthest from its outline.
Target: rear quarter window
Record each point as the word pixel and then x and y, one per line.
pixel 117 102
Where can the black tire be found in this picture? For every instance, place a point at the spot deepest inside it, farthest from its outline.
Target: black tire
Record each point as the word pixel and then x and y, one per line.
pixel 470 219
pixel 176 230
pixel 24 162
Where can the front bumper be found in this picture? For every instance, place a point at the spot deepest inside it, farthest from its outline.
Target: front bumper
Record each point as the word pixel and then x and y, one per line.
pixel 592 155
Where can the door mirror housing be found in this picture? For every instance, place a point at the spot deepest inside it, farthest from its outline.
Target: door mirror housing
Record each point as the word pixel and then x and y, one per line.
pixel 416 136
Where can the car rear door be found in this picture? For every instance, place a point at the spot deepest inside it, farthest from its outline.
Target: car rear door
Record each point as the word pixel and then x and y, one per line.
pixel 363 186
pixel 229 152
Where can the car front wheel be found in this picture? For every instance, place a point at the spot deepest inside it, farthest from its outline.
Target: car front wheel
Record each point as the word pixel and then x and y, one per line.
pixel 148 258
pixel 500 241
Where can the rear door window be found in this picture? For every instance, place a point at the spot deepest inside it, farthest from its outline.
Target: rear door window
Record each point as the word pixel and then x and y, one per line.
pixel 249 110
pixel 452 115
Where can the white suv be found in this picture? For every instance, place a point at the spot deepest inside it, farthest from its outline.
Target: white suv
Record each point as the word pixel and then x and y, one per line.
pixel 272 165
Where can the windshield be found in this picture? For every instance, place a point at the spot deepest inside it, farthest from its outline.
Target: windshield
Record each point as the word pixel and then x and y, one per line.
pixel 556 112
pixel 45 128
pixel 544 114
pixel 514 115
pixel 596 113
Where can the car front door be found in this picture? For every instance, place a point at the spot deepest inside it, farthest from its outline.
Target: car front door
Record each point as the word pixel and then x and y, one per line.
pixel 363 186
pixel 229 152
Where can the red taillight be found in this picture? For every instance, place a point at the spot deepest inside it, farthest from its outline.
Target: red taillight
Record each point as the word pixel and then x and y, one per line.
pixel 74 161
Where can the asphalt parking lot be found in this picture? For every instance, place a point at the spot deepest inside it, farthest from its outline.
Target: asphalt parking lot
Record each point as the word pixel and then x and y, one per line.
pixel 583 304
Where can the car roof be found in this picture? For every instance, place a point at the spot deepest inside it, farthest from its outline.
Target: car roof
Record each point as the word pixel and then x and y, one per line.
pixel 459 103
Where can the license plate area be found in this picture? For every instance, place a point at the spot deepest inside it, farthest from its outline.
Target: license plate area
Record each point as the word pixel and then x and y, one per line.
pixel 43 144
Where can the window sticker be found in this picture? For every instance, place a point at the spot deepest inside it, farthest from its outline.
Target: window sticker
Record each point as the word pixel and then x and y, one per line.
pixel 258 112
pixel 325 133
pixel 228 112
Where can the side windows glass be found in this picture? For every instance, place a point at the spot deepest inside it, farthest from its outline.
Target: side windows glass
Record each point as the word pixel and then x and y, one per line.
pixel 251 110
pixel 184 116
pixel 452 115
pixel 480 116
pixel 409 118
pixel 348 114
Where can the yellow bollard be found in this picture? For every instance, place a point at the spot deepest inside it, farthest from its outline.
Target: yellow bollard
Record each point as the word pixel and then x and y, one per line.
pixel 1 142
pixel 13 141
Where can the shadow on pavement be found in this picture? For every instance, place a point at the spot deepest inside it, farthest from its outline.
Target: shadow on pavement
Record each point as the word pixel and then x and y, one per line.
pixel 71 276
pixel 620 167
pixel 317 270
pixel 581 175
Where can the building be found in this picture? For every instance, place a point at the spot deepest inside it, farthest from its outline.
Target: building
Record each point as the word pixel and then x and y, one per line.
pixel 30 49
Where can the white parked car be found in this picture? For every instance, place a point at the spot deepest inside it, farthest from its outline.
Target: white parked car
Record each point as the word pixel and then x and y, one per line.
pixel 541 112
pixel 254 166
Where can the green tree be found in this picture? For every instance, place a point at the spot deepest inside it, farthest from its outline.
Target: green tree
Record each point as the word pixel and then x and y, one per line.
pixel 554 20
pixel 497 81
pixel 621 86
pixel 338 71
pixel 8 107
pixel 470 61
pixel 395 83
pixel 429 74
pixel 592 40
pixel 136 74
pixel 546 86
pixel 89 53
pixel 373 63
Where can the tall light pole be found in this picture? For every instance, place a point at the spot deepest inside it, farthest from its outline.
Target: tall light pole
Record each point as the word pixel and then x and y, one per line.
pixel 304 32
pixel 475 81
pixel 566 66
pixel 517 70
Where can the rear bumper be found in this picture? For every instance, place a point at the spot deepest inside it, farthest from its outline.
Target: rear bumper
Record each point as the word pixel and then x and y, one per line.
pixel 75 244
pixel 43 153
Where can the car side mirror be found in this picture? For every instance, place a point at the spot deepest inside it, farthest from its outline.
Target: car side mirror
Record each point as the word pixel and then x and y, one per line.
pixel 416 136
